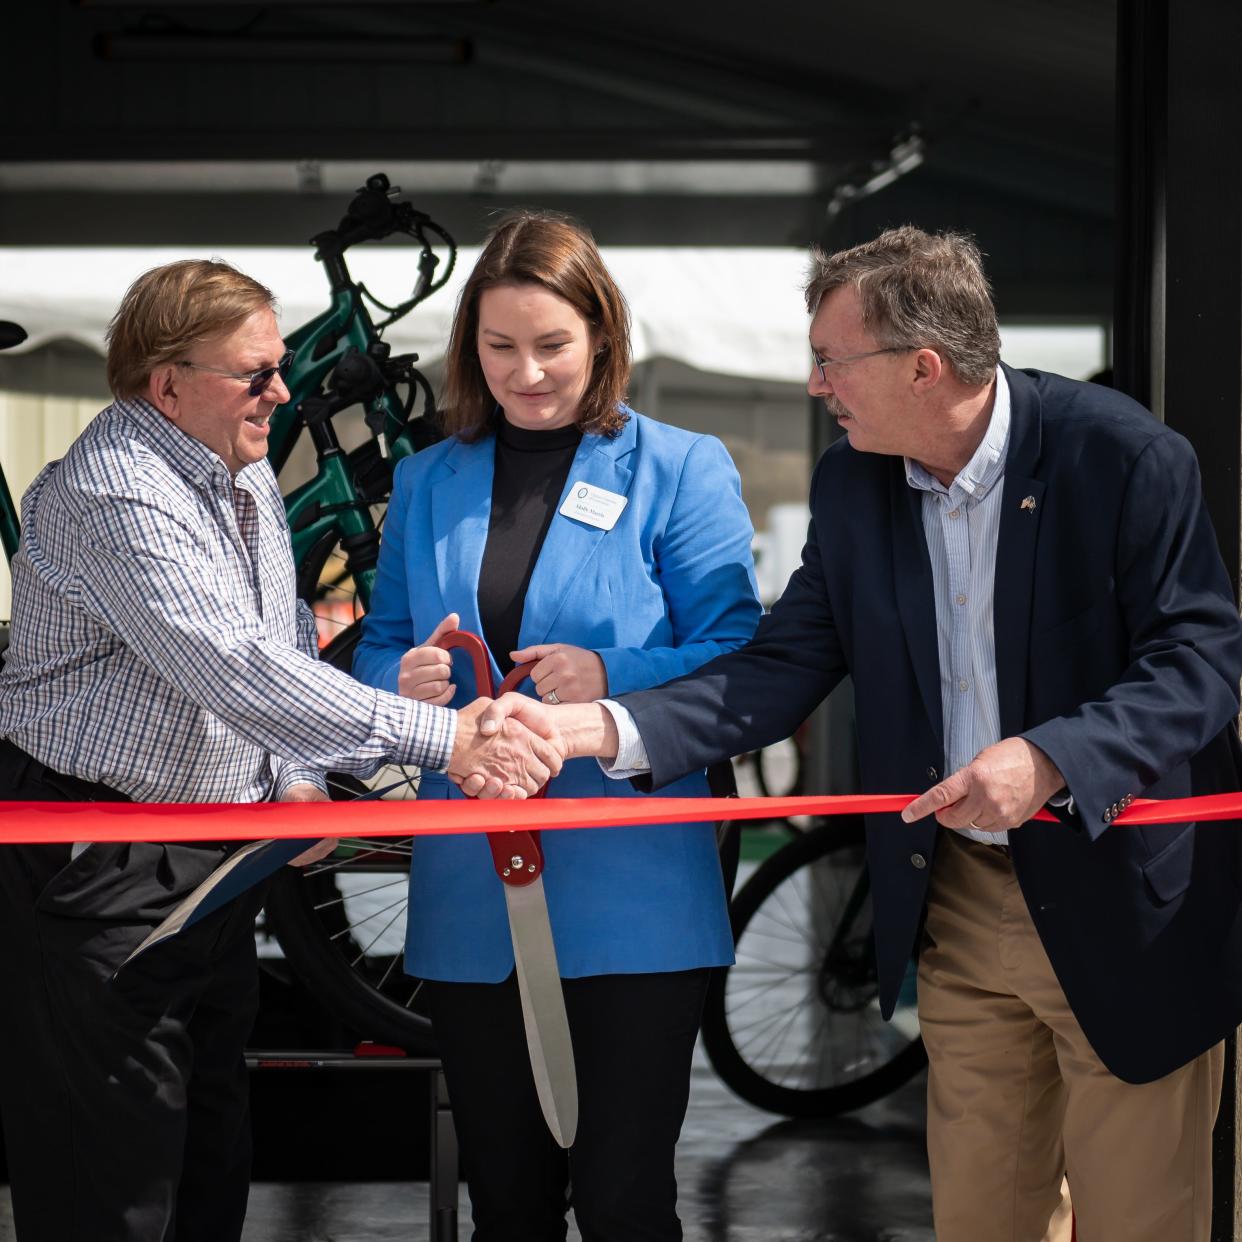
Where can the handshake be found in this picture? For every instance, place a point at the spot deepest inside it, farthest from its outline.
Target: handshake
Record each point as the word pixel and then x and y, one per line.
pixel 512 746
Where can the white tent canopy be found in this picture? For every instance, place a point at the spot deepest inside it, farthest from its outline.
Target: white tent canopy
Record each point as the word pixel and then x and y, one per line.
pixel 727 310
pixel 730 311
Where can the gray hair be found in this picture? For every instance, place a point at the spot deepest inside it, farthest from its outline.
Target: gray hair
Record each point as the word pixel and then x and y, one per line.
pixel 918 290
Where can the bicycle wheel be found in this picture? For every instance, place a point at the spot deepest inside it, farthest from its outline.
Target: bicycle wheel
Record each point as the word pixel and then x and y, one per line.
pixel 794 1026
pixel 324 581
pixel 779 769
pixel 341 921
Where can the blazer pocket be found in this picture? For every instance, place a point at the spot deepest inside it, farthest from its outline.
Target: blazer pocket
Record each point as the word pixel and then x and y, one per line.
pixel 1168 871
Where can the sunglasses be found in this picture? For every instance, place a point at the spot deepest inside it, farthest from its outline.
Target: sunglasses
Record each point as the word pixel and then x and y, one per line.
pixel 258 381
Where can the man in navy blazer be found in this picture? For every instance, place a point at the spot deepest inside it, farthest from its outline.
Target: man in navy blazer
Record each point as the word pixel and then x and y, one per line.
pixel 1019 573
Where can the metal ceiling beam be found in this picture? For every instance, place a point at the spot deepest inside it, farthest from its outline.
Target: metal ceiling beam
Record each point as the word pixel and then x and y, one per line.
pixel 406 139
pixel 612 60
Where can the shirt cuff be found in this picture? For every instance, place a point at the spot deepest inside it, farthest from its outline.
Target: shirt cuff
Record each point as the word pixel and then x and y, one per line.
pixel 1063 801
pixel 290 774
pixel 631 758
pixel 426 735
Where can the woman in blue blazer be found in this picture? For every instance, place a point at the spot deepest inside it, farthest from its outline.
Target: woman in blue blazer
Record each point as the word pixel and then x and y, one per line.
pixel 614 551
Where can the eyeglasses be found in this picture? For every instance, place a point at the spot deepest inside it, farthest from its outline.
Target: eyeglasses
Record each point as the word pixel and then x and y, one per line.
pixel 258 380
pixel 822 362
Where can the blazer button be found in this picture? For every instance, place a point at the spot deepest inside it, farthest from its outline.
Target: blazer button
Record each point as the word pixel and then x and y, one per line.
pixel 1108 815
pixel 932 774
pixel 918 860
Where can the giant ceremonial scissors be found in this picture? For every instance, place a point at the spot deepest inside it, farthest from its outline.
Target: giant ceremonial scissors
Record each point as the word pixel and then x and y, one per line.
pixel 518 859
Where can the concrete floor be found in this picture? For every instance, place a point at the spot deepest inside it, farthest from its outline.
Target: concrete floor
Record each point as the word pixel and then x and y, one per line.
pixel 744 1176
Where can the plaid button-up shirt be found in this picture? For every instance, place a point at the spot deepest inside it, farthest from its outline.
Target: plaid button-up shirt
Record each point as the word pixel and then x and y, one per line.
pixel 157 642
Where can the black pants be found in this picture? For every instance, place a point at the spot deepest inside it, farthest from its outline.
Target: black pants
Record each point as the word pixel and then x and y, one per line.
pixel 633 1036
pixel 124 1102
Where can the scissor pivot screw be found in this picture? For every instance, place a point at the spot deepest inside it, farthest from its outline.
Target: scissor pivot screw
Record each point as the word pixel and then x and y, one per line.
pixel 517 862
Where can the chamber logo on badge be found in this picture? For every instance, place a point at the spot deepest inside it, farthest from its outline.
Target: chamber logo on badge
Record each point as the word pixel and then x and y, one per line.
pixel 593 505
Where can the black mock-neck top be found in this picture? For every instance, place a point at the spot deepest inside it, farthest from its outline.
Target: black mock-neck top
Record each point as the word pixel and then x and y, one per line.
pixel 531 469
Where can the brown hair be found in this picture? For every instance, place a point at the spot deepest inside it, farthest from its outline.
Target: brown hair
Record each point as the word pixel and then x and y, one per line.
pixel 540 248
pixel 918 290
pixel 171 308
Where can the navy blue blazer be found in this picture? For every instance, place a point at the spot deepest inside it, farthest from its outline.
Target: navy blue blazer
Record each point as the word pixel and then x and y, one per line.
pixel 1118 652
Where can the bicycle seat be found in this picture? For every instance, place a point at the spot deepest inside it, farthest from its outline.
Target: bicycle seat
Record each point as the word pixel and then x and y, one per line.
pixel 11 334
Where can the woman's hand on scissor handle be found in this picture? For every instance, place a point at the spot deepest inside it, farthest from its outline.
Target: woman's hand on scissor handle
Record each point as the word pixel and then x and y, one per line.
pixel 564 674
pixel 426 671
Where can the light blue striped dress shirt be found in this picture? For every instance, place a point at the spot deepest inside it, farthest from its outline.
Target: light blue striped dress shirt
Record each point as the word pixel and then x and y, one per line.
pixel 961 523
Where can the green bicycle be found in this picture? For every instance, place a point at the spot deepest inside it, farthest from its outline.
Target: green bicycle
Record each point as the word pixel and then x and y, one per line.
pixel 340 359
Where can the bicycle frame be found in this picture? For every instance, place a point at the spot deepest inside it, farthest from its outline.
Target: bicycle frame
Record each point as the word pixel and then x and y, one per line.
pixel 333 502
pixel 9 530
pixel 329 502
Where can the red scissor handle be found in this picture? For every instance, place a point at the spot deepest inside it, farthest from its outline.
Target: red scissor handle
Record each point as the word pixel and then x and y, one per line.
pixel 517 856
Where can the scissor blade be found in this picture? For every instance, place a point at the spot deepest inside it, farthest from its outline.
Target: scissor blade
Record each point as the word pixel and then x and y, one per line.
pixel 543 1009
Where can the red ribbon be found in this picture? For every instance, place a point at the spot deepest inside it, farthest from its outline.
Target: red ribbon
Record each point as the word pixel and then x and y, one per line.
pixel 23 823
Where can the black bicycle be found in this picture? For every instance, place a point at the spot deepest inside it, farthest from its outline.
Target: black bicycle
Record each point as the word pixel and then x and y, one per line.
pixel 794 1026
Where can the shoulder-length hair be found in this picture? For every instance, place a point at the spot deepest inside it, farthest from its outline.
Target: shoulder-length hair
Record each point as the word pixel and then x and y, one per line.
pixel 540 248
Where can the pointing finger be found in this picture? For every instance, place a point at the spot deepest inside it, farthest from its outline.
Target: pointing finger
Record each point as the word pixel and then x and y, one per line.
pixel 950 790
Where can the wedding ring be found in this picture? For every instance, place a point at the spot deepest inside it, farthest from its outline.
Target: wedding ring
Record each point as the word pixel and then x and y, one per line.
pixel 551 698
pixel 976 827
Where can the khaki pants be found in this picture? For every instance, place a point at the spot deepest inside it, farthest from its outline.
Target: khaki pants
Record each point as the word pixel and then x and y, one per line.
pixel 1017 1098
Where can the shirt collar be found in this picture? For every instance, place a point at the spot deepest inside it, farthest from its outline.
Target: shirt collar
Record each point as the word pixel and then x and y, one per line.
pixel 986 466
pixel 191 458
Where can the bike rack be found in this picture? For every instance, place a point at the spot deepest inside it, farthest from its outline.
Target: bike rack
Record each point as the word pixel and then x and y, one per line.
pixel 442 1149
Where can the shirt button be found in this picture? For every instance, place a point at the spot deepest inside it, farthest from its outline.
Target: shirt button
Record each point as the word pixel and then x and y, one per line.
pixel 918 861
pixel 954 512
pixel 961 599
pixel 963 684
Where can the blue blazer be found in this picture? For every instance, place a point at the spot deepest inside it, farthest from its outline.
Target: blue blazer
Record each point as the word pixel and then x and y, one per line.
pixel 1118 652
pixel 669 587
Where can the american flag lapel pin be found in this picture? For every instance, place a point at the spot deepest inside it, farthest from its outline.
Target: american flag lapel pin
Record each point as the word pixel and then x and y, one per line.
pixel 1028 504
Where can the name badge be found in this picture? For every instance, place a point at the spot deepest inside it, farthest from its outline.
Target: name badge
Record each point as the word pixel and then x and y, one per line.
pixel 593 505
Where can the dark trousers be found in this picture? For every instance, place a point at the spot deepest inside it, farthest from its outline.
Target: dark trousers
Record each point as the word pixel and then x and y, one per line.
pixel 124 1101
pixel 633 1036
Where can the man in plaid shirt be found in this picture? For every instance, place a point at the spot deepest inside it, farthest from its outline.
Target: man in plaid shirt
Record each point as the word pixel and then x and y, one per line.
pixel 158 654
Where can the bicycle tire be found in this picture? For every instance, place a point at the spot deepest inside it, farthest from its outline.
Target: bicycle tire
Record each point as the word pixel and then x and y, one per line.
pixel 768 761
pixel 324 582
pixel 316 914
pixel 851 1057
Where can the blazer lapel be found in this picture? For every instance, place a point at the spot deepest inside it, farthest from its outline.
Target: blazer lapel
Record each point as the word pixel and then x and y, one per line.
pixel 1021 510
pixel 461 506
pixel 570 544
pixel 915 593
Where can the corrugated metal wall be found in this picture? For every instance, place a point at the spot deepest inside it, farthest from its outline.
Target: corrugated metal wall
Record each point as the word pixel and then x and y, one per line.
pixel 33 431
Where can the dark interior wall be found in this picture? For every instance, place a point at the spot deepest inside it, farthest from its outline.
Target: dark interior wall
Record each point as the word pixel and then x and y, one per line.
pixel 1014 119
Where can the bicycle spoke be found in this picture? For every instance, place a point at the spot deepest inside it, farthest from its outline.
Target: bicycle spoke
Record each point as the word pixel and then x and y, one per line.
pixel 396 957
pixel 346 862
pixel 376 937
pixel 366 892
pixel 345 931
